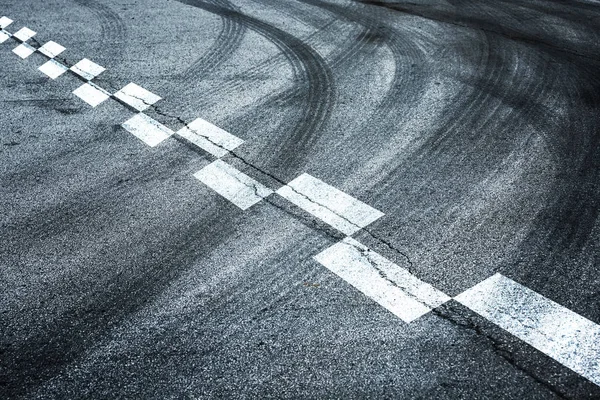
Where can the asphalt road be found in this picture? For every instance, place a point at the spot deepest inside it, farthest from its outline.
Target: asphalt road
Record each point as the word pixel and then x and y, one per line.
pixel 473 126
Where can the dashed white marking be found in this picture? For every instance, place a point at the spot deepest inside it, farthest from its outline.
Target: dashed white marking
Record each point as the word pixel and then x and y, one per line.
pixel 209 137
pixel 4 22
pixel 24 50
pixel 147 129
pixel 336 208
pixel 91 94
pixel 87 69
pixel 51 49
pixel 24 34
pixel 53 69
pixel 137 97
pixel 4 36
pixel 234 185
pixel 558 332
pixel 390 285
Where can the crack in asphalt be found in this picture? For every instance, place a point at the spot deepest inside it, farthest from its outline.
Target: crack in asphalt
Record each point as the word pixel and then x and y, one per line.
pixel 275 178
pixel 393 248
pixel 366 252
pixel 242 159
pixel 496 346
pixel 453 317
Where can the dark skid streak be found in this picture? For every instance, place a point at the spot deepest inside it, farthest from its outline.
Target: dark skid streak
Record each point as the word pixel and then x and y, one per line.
pixel 314 82
pixel 127 278
pixel 562 229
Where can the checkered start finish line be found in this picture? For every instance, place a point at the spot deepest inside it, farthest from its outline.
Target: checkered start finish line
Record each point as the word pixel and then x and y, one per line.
pixel 565 336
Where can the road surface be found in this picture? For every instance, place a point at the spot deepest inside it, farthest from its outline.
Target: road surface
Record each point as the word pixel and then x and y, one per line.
pixel 300 199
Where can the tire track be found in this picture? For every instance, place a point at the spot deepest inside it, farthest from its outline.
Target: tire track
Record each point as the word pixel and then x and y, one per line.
pixel 112 29
pixel 531 76
pixel 61 337
pixel 313 79
pixel 411 74
pixel 225 45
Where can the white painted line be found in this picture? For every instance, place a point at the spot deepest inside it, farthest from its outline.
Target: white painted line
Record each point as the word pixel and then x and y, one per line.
pixel 137 97
pixel 147 130
pixel 4 22
pixel 567 337
pixel 4 36
pixel 234 185
pixel 23 50
pixel 91 94
pixel 24 34
pixel 53 69
pixel 51 49
pixel 87 69
pixel 209 137
pixel 336 208
pixel 390 285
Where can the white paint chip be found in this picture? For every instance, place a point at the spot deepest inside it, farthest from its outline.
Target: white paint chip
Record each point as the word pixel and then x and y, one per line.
pixel 53 69
pixel 87 69
pixel 91 94
pixel 24 50
pixel 51 49
pixel 24 34
pixel 147 129
pixel 137 97
pixel 4 22
pixel 336 208
pixel 388 284
pixel 209 137
pixel 234 185
pixel 4 36
pixel 567 337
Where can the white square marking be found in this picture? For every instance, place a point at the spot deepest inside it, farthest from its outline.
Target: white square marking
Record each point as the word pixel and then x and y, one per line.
pixel 91 94
pixel 234 185
pixel 53 69
pixel 4 36
pixel 400 292
pixel 336 208
pixel 147 129
pixel 87 69
pixel 24 50
pixel 4 22
pixel 567 337
pixel 24 34
pixel 209 137
pixel 137 97
pixel 51 49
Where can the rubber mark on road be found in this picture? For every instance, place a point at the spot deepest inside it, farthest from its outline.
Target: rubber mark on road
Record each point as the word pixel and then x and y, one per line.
pixel 91 94
pixel 209 137
pixel 137 97
pixel 567 337
pixel 147 129
pixel 390 285
pixel 234 185
pixel 334 207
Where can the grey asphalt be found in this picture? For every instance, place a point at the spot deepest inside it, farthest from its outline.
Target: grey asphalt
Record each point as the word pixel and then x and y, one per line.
pixel 474 126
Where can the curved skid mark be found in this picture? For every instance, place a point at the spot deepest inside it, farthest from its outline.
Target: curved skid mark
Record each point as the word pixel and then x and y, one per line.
pixel 113 32
pixel 225 45
pixel 314 84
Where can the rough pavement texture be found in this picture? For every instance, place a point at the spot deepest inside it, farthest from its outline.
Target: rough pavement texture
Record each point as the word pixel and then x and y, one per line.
pixel 474 126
